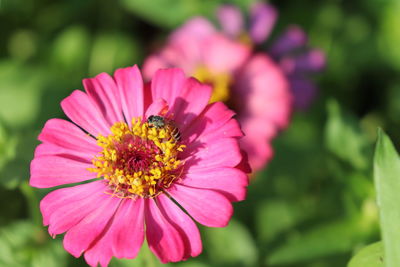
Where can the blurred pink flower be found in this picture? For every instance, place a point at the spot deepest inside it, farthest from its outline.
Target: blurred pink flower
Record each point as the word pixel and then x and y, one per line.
pixel 153 146
pixel 250 83
pixel 290 50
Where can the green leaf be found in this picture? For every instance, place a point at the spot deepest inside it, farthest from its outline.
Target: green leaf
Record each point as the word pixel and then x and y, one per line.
pixel 231 245
pixel 71 47
pixel 111 51
pixel 17 168
pixel 172 13
pixel 369 256
pixel 344 137
pixel 389 35
pixel 392 101
pixel 324 240
pixel 387 183
pixel 22 44
pixel 164 13
pixel 8 144
pixel 24 244
pixel 20 88
pixel 275 216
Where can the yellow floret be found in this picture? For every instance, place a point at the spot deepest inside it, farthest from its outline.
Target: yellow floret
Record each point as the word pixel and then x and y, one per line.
pixel 143 183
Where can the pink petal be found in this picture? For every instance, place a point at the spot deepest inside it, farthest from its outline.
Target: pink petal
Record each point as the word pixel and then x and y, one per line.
pixel 183 53
pixel 147 97
pixel 80 237
pixel 224 152
pixel 213 118
pixel 81 110
pixel 229 181
pixel 259 151
pixel 164 239
pixel 167 84
pixel 103 91
pixel 263 18
pixel 191 102
pixel 65 134
pixel 129 229
pixel 256 126
pixel 158 107
pixel 184 224
pixel 48 149
pixel 49 171
pixel 130 85
pixel 231 20
pixel 244 165
pixel 123 238
pixel 197 27
pixel 64 208
pixel 208 207
pixel 152 64
pixel 257 143
pixel 229 129
pixel 184 48
pixel 222 55
pixel 264 88
pixel 100 254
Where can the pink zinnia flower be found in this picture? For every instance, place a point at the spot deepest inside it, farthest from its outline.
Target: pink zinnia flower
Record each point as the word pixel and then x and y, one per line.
pixel 250 83
pixel 155 148
pixel 290 50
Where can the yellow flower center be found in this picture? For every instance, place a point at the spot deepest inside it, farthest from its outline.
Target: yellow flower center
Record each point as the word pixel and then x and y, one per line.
pixel 138 161
pixel 219 81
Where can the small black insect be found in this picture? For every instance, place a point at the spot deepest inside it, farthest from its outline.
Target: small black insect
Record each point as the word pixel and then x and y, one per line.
pixel 156 121
pixel 160 122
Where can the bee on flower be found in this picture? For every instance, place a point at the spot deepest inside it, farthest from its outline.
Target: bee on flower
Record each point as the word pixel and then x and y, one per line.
pixel 154 160
pixel 162 122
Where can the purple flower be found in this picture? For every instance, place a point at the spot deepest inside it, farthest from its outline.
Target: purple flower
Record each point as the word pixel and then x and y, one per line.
pixel 290 50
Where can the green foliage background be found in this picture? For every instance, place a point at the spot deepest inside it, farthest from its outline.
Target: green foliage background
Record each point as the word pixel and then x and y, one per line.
pixel 314 205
